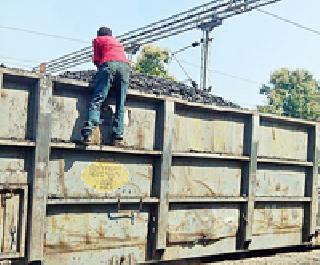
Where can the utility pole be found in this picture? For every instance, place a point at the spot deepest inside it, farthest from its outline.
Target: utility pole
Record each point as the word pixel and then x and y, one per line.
pixel 205 46
pixel 132 51
pixel 206 29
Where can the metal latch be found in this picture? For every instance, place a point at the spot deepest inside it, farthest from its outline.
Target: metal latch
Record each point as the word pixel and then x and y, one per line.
pixel 13 232
pixel 138 210
pixel 124 215
pixel 6 196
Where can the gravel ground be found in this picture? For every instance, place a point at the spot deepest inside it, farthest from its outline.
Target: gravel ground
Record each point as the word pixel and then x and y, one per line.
pixel 301 258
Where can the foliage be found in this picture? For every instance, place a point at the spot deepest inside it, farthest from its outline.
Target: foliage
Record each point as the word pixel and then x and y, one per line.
pixel 154 60
pixel 292 93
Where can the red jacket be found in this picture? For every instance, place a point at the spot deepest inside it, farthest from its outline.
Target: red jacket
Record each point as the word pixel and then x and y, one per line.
pixel 106 49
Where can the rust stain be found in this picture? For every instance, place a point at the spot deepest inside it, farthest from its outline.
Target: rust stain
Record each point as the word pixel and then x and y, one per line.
pixel 87 239
pixel 129 118
pixel 198 236
pixel 150 173
pixel 88 242
pixel 176 133
pixel 54 226
pixel 284 190
pixel 3 95
pixel 63 248
pixel 61 177
pixel 58 105
pixel 101 232
pixel 140 136
pixel 280 222
pixel 96 138
pixel 273 134
pixel 257 183
pixel 208 188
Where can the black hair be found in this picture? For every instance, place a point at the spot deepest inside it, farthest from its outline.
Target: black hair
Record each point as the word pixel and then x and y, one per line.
pixel 104 31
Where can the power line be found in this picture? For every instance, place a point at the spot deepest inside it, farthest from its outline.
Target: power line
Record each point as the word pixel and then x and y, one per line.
pixel 34 32
pixel 173 56
pixel 296 24
pixel 18 59
pixel 182 68
pixel 224 73
pixel 9 63
pixel 165 28
pixel 193 45
pixel 18 62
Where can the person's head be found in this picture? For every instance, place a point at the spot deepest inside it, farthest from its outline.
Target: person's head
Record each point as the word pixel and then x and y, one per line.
pixel 104 31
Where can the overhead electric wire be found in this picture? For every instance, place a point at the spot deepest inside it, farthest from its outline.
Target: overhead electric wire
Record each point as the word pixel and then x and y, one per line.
pixel 296 24
pixel 165 28
pixel 244 79
pixel 194 44
pixel 84 55
pixel 165 19
pixel 154 36
pixel 151 33
pixel 17 59
pixel 189 19
pixel 19 62
pixel 34 32
pixel 196 19
pixel 9 63
pixel 173 56
pixel 182 68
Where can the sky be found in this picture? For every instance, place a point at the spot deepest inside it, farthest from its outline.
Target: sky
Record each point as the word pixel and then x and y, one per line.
pixel 244 52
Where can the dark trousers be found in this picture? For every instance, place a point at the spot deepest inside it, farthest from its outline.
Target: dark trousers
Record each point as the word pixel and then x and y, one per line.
pixel 109 73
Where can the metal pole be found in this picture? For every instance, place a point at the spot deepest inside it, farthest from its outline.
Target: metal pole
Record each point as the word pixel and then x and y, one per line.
pixel 205 59
pixel 205 49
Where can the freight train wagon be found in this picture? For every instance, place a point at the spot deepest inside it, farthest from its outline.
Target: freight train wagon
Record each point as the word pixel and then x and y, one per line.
pixel 191 180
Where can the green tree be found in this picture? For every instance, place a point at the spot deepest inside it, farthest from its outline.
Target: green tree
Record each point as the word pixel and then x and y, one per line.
pixel 154 60
pixel 292 93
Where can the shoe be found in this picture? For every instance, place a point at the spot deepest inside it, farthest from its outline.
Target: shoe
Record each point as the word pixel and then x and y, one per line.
pixel 118 141
pixel 87 140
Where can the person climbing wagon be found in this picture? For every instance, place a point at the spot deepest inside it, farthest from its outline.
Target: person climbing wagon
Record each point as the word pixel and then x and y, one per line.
pixel 113 69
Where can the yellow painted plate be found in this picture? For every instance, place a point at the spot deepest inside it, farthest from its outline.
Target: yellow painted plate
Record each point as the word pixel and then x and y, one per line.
pixel 105 176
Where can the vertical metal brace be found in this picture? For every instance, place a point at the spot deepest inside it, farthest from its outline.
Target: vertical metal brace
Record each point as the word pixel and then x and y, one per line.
pixel 1 83
pixel 312 184
pixel 40 168
pixel 165 171
pixel 251 179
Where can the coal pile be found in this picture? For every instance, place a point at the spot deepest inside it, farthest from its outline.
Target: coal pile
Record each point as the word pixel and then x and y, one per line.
pixel 159 86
